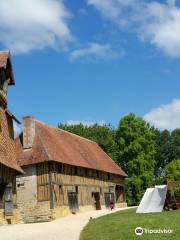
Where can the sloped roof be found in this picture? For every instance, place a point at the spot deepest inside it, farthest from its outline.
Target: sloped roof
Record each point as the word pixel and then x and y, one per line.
pixel 53 144
pixel 5 61
pixel 7 154
pixel 9 161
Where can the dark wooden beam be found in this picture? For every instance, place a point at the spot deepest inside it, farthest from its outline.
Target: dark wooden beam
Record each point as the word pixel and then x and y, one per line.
pixel 51 186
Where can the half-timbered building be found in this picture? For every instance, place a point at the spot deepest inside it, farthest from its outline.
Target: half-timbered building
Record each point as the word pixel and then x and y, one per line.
pixel 64 173
pixel 8 164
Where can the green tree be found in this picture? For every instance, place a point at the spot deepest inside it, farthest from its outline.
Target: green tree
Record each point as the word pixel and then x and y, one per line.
pixel 136 141
pixel 104 136
pixel 172 175
pixel 163 151
pixel 167 149
pixel 175 142
pixel 172 170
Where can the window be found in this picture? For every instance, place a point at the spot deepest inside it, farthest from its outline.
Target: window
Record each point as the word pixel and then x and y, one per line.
pixel 10 126
pixel 109 176
pixel 59 168
pixel 75 170
pixel 81 171
pixel 86 172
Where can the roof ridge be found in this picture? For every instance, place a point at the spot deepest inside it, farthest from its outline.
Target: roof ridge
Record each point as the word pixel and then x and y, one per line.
pixel 76 135
pixel 60 129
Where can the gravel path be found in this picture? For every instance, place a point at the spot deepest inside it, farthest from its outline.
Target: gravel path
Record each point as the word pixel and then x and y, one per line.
pixel 66 228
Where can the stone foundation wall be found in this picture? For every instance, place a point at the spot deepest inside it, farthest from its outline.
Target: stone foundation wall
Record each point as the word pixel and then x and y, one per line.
pixel 2 219
pixel 39 213
pixel 61 211
pixel 30 209
pixel 121 205
pixel 14 219
pixel 86 208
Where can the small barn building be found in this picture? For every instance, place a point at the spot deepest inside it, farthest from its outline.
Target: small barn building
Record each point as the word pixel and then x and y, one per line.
pixel 8 164
pixel 64 173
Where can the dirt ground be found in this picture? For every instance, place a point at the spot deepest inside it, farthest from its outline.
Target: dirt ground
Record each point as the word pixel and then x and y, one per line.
pixel 66 228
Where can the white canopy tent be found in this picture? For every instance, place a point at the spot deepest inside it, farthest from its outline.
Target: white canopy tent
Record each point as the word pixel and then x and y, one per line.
pixel 153 200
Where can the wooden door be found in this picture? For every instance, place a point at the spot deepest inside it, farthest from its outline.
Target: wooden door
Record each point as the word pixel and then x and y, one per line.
pixel 73 201
pixel 97 200
pixel 107 199
pixel 8 200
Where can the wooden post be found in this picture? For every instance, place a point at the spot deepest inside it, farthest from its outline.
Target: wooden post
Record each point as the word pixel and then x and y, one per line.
pixel 124 193
pixel 51 186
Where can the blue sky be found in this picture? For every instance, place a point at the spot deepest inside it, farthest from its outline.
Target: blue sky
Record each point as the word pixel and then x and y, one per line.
pixel 94 61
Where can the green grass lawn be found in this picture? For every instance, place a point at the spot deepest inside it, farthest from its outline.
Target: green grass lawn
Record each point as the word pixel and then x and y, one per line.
pixel 121 226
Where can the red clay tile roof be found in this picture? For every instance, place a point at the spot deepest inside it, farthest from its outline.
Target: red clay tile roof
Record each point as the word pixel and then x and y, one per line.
pixel 5 59
pixel 61 146
pixel 7 160
pixel 7 154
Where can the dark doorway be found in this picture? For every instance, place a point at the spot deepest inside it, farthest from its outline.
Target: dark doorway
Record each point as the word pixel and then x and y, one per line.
pixel 107 199
pixel 97 202
pixel 6 198
pixel 2 190
pixel 73 201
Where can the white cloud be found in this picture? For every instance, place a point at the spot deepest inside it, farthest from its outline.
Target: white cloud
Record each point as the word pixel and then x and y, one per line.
pixel 153 21
pixel 94 51
pixel 17 129
pixel 162 27
pixel 109 8
pixel 165 116
pixel 33 24
pixel 85 123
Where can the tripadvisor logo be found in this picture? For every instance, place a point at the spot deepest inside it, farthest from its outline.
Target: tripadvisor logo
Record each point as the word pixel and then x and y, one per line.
pixel 139 231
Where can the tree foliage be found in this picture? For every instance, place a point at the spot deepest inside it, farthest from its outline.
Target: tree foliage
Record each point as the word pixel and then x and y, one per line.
pixel 175 143
pixel 172 170
pixel 164 150
pixel 137 155
pixel 172 175
pixel 167 150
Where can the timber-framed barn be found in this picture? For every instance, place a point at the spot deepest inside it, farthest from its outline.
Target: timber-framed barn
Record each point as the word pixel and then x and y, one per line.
pixel 47 172
pixel 8 164
pixel 64 173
